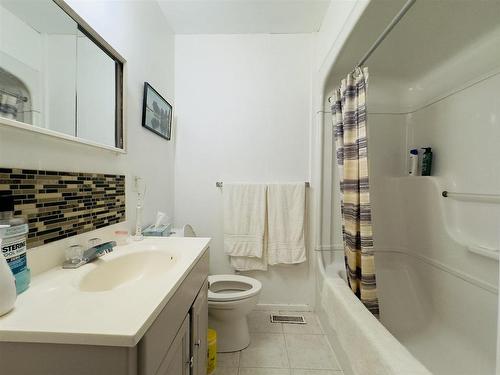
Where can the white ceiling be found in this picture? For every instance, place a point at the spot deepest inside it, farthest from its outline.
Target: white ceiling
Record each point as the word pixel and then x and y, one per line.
pixel 244 16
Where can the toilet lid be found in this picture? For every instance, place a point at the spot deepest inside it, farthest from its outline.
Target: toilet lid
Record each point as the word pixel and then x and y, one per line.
pixel 224 288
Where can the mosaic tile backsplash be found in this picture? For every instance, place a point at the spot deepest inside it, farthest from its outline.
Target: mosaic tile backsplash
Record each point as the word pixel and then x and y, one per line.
pixel 58 205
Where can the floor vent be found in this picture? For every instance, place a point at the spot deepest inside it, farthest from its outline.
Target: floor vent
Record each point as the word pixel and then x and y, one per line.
pixel 288 319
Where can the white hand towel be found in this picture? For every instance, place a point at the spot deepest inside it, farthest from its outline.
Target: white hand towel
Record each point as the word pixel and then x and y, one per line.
pixel 244 219
pixel 286 205
pixel 249 264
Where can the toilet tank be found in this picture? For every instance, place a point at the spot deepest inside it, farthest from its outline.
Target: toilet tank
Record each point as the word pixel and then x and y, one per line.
pixel 186 231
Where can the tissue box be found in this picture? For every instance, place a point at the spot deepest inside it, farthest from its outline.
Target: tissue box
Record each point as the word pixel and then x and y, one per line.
pixel 163 230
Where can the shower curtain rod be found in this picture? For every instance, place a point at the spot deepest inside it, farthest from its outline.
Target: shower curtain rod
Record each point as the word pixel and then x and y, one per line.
pixel 384 34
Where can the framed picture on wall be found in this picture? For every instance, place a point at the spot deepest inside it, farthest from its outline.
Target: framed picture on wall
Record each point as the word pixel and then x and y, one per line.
pixel 156 112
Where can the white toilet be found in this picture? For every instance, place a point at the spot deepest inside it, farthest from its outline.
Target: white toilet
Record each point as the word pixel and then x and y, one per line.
pixel 230 299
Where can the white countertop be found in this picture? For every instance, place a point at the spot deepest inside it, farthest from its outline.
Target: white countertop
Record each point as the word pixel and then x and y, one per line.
pixel 55 310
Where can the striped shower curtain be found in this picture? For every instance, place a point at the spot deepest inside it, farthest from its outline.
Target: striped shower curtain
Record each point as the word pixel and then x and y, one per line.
pixel 349 120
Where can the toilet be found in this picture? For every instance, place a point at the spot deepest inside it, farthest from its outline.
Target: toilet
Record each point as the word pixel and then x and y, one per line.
pixel 230 299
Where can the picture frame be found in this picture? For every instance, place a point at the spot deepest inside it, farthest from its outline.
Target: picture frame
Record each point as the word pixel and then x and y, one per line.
pixel 156 113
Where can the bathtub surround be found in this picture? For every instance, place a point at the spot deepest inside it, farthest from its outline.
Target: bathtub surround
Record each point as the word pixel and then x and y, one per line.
pixel 58 205
pixel 351 143
pixel 425 272
pixel 350 326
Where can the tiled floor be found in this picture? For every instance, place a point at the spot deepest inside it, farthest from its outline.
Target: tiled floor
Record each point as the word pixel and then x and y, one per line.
pixel 281 349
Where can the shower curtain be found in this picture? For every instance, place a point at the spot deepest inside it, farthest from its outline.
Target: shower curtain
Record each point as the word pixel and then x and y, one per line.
pixel 349 120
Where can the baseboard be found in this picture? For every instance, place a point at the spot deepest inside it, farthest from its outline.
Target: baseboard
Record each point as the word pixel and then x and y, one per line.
pixel 283 307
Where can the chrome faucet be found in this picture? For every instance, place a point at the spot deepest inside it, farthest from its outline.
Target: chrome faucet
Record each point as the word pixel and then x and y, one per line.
pixel 90 254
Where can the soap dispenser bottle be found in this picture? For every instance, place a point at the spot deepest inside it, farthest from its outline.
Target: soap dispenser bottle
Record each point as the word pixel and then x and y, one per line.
pixel 413 170
pixel 427 161
pixel 7 286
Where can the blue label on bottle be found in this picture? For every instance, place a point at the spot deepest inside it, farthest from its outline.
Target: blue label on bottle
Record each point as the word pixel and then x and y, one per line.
pixel 17 264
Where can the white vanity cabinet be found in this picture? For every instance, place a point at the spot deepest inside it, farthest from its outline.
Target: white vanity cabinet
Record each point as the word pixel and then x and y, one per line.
pixel 174 344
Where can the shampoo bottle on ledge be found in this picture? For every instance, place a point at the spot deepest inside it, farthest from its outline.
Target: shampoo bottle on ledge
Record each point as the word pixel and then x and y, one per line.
pixel 427 161
pixel 413 168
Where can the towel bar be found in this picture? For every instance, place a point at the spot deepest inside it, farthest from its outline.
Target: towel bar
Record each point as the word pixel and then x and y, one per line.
pixel 220 184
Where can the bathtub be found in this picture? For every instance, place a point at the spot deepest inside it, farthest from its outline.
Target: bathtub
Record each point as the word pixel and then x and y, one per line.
pixel 432 319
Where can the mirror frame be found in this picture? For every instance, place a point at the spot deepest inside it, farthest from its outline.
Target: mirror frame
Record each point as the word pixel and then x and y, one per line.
pixel 120 131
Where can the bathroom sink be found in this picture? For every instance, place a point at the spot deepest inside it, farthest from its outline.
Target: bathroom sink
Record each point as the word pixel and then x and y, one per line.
pixel 113 273
pixel 111 301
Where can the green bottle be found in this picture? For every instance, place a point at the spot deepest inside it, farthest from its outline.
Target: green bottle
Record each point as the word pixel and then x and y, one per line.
pixel 427 161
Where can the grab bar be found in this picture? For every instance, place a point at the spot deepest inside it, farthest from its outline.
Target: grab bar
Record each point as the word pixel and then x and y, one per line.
pixel 489 198
pixel 484 251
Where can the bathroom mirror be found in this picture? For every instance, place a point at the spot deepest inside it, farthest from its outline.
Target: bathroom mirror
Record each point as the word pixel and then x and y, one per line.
pixel 57 75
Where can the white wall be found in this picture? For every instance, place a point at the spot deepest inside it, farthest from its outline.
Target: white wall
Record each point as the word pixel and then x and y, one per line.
pixel 243 104
pixel 137 30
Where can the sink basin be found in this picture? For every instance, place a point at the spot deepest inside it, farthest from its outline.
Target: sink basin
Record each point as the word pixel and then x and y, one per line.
pixel 116 272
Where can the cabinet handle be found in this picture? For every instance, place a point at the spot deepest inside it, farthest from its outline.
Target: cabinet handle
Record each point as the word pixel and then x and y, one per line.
pixel 197 343
pixel 190 362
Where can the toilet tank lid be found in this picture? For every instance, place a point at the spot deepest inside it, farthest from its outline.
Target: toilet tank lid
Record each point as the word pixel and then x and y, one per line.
pixel 186 231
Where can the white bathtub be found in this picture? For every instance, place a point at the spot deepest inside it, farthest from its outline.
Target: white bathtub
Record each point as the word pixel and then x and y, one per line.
pixel 432 320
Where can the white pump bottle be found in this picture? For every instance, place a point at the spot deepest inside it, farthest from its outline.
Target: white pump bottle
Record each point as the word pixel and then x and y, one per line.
pixel 8 293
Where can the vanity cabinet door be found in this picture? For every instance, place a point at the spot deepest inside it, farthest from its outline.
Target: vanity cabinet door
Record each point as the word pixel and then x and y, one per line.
pixel 178 359
pixel 199 326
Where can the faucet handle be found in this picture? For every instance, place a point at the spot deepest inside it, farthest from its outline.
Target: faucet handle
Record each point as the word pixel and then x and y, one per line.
pixel 92 253
pixel 74 254
pixel 105 248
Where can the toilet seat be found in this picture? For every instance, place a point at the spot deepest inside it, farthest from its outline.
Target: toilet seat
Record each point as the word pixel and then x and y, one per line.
pixel 225 288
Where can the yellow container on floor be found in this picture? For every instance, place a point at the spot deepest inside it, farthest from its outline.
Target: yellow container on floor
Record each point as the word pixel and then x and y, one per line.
pixel 212 351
